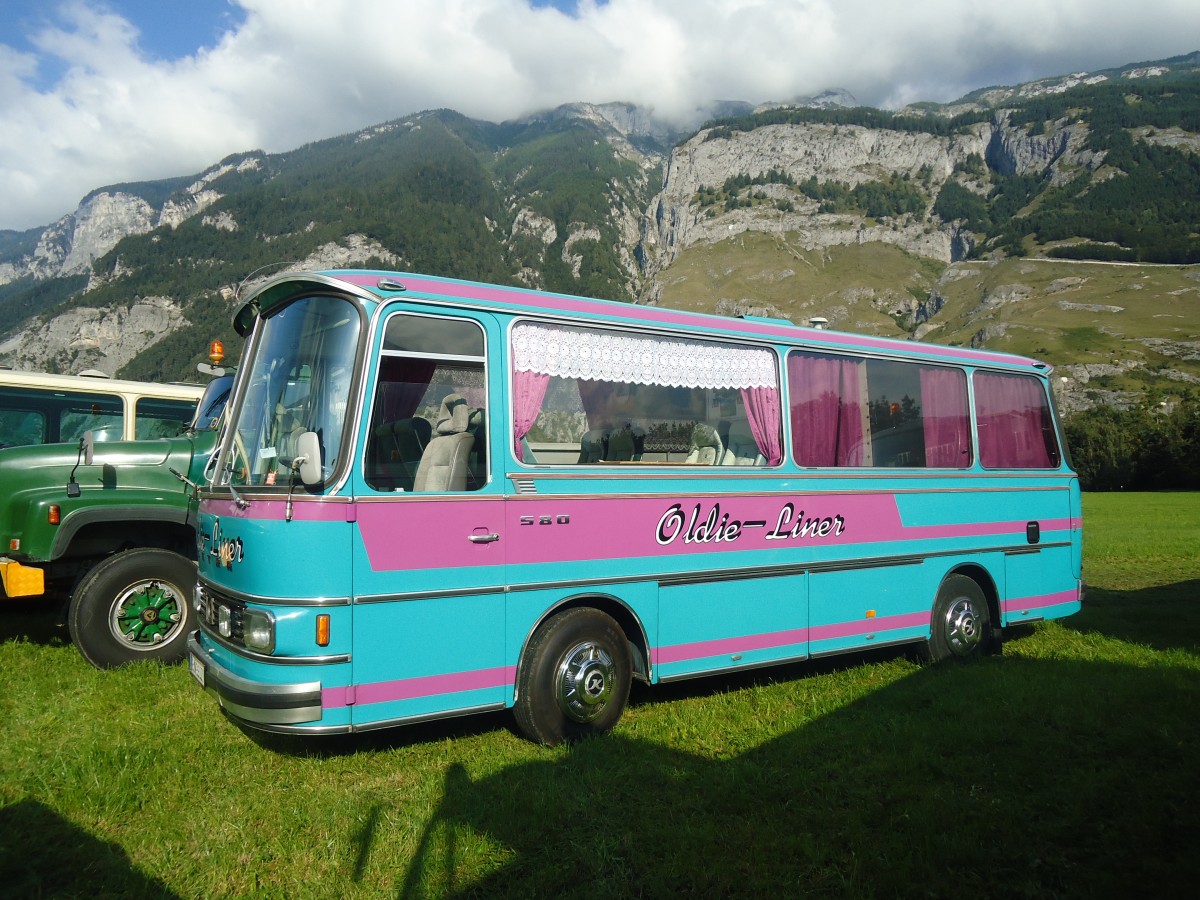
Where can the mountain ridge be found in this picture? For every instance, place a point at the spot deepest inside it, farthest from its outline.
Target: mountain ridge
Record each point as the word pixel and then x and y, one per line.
pixel 605 200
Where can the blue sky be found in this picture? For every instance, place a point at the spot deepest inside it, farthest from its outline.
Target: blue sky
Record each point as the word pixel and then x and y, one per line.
pixel 97 92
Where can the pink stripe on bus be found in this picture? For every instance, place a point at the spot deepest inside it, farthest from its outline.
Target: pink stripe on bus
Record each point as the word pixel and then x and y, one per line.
pixel 867 626
pixel 1018 604
pixel 415 688
pixel 728 646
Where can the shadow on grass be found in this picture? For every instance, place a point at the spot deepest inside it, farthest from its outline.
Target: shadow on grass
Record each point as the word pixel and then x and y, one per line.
pixel 40 620
pixel 44 855
pixel 433 731
pixel 1166 617
pixel 1012 777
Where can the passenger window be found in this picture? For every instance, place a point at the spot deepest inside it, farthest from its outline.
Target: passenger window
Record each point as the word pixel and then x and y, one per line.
pixel 848 411
pixel 585 396
pixel 156 418
pixel 101 414
pixel 428 427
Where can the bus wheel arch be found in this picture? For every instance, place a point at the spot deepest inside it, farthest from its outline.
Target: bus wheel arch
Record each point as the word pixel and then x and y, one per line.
pixel 574 675
pixel 964 616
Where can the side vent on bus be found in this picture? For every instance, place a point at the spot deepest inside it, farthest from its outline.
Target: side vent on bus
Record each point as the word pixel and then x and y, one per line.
pixel 525 485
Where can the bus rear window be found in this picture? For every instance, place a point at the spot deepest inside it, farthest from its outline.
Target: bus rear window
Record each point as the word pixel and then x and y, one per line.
pixel 1016 426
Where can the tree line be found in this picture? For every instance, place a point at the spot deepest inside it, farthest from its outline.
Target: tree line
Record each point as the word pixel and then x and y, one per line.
pixel 1148 447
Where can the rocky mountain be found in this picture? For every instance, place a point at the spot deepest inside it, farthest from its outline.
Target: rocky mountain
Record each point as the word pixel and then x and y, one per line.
pixel 906 223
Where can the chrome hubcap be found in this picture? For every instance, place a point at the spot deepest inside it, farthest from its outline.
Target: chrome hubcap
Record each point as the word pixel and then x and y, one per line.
pixel 964 628
pixel 585 682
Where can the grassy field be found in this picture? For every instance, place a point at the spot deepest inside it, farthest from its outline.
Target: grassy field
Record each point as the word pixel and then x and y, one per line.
pixel 1066 767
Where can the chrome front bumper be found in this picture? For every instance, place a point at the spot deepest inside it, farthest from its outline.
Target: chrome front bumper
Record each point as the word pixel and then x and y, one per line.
pixel 254 702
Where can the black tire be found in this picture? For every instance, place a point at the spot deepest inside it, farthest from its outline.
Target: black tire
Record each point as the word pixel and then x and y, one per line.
pixel 961 623
pixel 574 677
pixel 134 605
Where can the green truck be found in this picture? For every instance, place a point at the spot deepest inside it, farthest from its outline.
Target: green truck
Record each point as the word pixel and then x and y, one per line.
pixel 109 529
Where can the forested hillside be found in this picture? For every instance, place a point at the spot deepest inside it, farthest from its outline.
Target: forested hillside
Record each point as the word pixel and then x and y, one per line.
pixel 987 222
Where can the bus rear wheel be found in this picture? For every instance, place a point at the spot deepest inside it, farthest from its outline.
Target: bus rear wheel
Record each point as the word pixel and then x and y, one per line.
pixel 961 624
pixel 132 606
pixel 574 678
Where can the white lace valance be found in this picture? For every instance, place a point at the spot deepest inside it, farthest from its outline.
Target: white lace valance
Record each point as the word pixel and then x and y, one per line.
pixel 637 359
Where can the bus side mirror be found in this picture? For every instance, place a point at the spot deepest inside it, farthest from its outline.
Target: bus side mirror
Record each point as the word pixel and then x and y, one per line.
pixel 308 451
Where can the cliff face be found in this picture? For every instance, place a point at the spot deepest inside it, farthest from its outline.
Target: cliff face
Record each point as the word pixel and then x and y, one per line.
pixel 89 338
pixel 105 217
pixel 846 154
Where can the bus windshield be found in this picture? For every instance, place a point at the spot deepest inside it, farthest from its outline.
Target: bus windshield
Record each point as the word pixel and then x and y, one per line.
pixel 298 381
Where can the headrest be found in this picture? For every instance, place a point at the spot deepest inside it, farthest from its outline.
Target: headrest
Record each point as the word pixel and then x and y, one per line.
pixel 453 416
pixel 704 435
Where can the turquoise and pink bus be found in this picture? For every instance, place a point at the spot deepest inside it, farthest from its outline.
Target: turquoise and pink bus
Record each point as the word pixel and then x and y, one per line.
pixel 437 497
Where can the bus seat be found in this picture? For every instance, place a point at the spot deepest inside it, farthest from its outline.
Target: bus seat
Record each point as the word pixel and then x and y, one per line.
pixel 591 446
pixel 476 420
pixel 445 462
pixel 396 450
pixel 706 449
pixel 621 445
pixel 742 449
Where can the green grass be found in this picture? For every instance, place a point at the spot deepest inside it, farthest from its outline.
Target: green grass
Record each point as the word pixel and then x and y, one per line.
pixel 1066 767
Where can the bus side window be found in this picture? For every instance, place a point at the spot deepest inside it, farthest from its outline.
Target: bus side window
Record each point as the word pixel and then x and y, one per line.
pixel 428 430
pixel 586 396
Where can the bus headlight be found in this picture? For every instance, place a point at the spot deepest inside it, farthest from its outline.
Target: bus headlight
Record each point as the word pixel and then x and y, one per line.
pixel 258 630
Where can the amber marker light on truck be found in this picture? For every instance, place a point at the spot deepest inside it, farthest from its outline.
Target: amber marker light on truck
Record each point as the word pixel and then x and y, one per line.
pixel 54 514
pixel 323 630
pixel 216 352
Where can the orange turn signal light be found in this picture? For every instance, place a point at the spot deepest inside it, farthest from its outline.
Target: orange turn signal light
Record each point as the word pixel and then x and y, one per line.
pixel 323 630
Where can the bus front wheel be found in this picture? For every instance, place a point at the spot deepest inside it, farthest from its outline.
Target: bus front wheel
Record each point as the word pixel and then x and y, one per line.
pixel 134 605
pixel 574 677
pixel 961 623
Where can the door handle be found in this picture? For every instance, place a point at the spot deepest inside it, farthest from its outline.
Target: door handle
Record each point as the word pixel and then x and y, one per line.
pixel 483 538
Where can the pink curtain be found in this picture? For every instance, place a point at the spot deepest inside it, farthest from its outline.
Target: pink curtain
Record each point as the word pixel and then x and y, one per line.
pixel 1015 426
pixel 529 389
pixel 762 411
pixel 945 418
pixel 826 410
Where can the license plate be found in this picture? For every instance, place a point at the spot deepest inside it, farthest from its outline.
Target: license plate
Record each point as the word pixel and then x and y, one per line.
pixel 196 667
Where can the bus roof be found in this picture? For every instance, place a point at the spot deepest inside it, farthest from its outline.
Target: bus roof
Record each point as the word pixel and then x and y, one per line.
pixel 381 285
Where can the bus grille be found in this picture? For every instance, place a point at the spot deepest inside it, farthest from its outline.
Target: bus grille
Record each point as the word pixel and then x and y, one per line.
pixel 221 615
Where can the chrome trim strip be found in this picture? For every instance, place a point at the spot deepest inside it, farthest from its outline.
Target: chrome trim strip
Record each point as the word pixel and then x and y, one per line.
pixel 783 661
pixel 315 730
pixel 598 472
pixel 428 717
pixel 433 595
pixel 277 660
pixel 241 597
pixel 869 645
pixel 675 579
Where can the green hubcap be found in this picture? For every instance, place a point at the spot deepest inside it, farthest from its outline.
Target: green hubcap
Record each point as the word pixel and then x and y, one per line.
pixel 146 614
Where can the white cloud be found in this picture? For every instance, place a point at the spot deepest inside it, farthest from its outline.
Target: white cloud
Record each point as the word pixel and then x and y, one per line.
pixel 299 70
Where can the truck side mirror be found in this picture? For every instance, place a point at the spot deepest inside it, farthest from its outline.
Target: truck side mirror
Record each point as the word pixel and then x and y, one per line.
pixel 87 443
pixel 308 452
